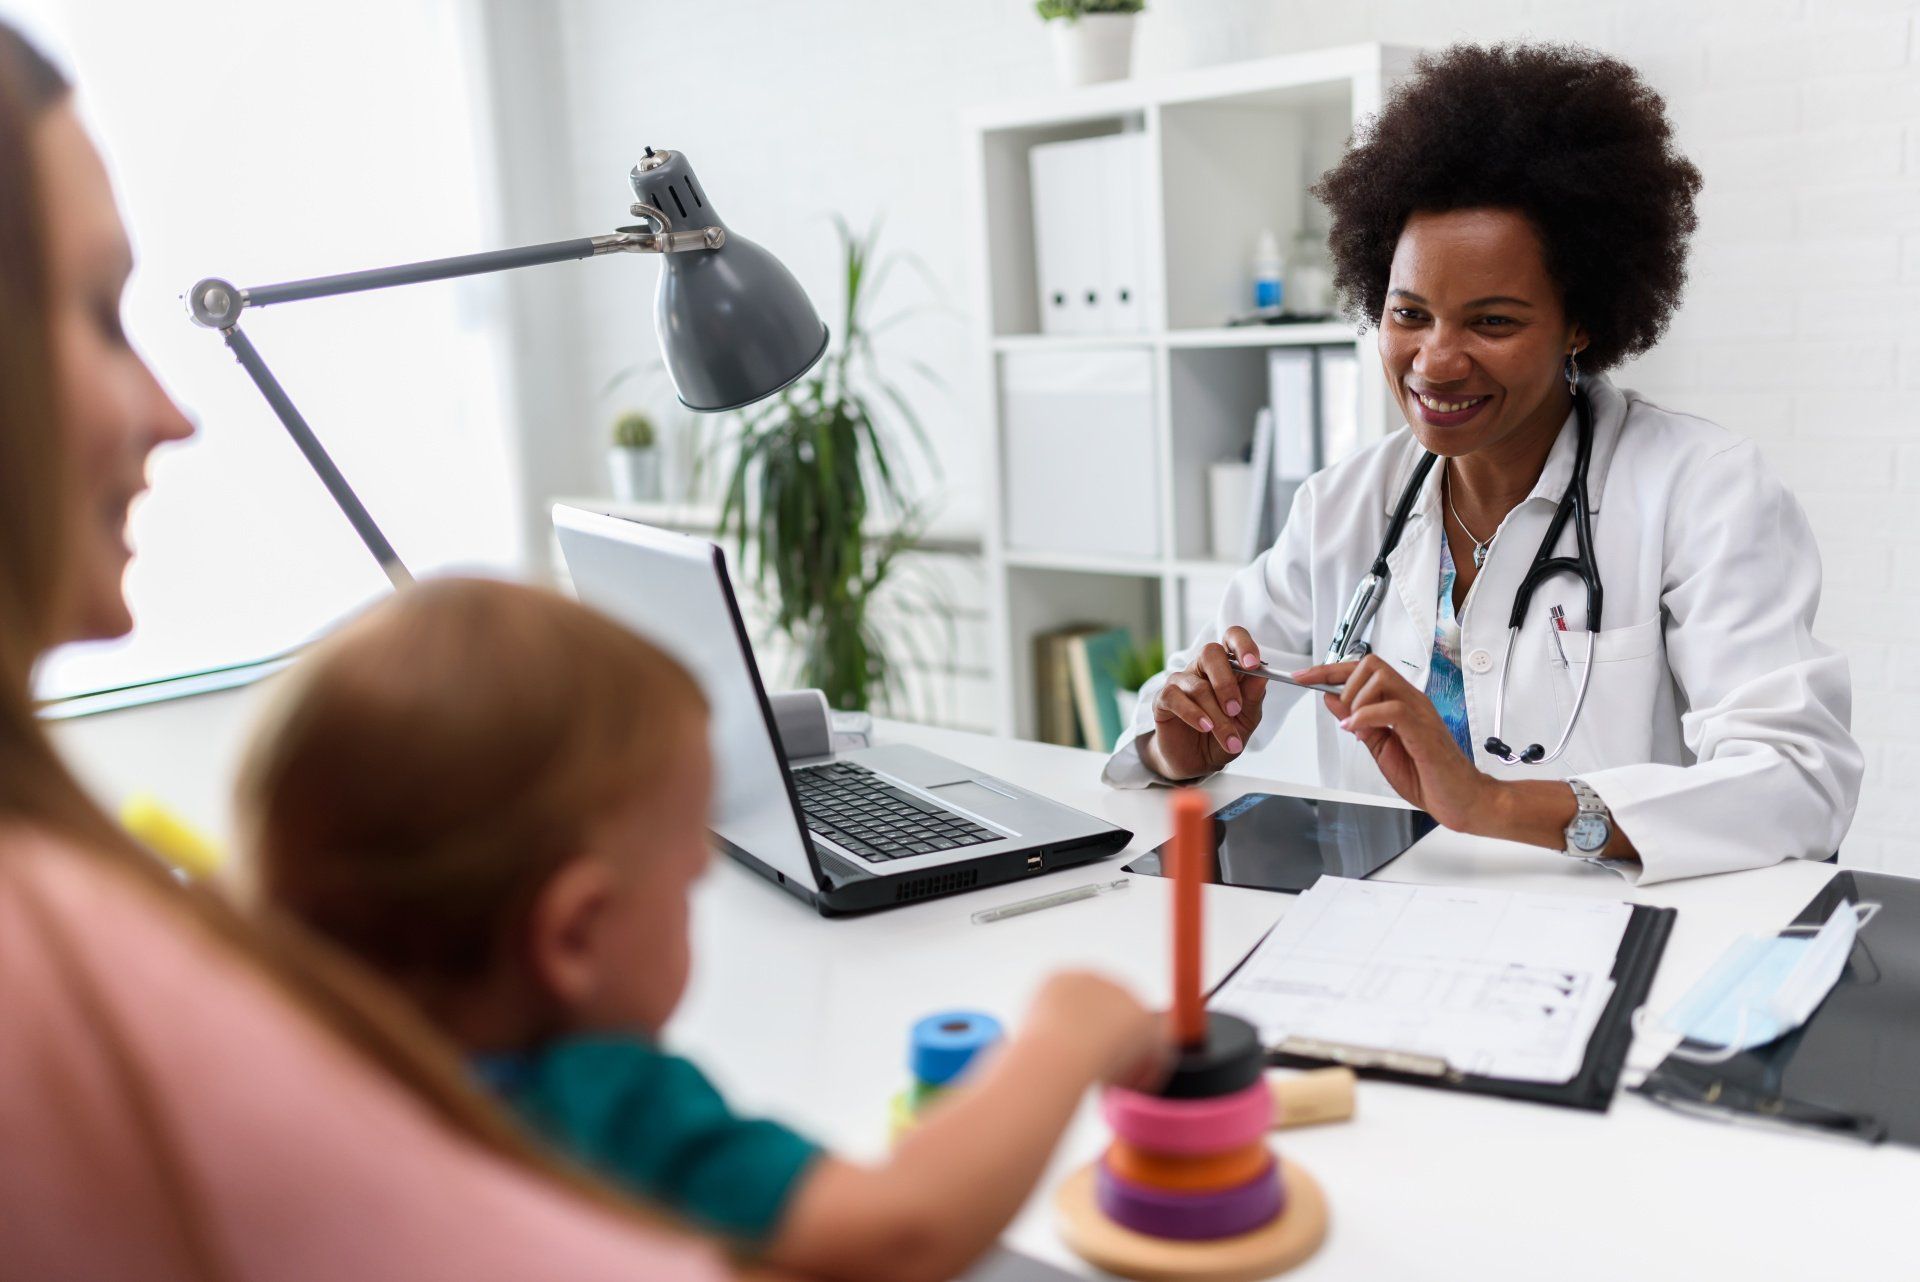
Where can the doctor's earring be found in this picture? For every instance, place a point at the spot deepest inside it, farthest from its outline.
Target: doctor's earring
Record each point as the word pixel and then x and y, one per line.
pixel 1573 374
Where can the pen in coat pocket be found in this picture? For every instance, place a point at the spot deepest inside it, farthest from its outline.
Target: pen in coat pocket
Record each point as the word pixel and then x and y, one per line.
pixel 1559 617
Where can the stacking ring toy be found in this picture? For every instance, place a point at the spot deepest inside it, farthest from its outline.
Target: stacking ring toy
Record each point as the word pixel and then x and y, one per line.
pixel 1189 1217
pixel 1189 1127
pixel 1206 1173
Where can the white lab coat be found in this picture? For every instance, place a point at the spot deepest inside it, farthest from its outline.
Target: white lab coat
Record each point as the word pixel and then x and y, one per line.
pixel 1716 728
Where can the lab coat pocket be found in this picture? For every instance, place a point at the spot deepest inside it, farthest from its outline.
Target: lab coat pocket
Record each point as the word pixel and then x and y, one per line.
pixel 1629 663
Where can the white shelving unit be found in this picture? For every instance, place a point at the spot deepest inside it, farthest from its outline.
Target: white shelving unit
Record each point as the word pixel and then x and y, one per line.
pixel 1231 151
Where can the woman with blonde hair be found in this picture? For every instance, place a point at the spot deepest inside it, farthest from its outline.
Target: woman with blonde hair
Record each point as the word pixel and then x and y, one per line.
pixel 183 1095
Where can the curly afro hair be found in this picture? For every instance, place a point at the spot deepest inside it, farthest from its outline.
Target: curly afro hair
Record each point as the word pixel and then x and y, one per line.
pixel 1571 138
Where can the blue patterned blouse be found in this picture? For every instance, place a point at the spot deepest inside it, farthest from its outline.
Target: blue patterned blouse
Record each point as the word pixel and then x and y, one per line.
pixel 1445 685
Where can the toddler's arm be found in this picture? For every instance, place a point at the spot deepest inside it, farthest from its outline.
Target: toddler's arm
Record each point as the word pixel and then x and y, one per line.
pixel 956 1180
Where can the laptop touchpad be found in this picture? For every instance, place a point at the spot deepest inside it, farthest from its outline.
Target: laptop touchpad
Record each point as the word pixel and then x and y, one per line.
pixel 972 795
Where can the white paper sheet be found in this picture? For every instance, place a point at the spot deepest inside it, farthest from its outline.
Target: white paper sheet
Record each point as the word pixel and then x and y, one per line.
pixel 1493 982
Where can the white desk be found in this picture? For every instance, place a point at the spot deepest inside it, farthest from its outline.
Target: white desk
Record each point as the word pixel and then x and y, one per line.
pixel 808 1018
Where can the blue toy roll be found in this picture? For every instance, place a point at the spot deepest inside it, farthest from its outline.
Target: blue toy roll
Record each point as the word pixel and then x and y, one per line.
pixel 944 1044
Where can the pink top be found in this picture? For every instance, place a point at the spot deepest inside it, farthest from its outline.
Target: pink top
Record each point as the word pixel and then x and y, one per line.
pixel 303 1162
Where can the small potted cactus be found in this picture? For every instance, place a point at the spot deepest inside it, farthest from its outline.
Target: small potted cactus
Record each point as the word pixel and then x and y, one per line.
pixel 634 460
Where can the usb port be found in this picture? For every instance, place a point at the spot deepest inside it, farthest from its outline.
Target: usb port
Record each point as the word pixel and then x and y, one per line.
pixel 1033 863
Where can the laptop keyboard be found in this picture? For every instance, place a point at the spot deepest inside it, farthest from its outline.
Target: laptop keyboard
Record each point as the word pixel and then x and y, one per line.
pixel 853 808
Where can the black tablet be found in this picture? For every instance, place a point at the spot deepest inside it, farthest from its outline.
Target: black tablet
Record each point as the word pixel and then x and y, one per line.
pixel 1271 842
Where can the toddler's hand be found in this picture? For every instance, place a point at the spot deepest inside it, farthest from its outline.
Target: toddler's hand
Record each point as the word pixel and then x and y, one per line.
pixel 1128 1042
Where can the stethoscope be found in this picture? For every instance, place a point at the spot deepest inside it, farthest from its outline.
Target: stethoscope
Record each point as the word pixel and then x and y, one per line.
pixel 1365 603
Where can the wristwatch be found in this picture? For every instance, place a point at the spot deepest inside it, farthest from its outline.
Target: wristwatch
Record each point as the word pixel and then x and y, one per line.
pixel 1592 825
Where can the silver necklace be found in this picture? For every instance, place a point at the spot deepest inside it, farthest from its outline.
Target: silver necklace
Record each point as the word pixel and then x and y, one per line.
pixel 1480 545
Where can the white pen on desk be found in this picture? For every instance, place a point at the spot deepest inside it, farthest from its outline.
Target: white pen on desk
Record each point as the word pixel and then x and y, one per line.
pixel 1559 617
pixel 1058 897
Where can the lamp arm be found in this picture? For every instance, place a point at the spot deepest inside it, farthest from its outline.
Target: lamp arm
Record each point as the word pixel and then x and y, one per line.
pixel 317 457
pixel 217 304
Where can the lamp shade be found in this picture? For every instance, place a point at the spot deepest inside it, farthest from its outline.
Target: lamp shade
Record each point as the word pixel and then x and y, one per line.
pixel 734 324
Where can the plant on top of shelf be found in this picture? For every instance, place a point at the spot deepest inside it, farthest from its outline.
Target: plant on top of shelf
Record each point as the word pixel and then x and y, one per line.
pixel 1092 39
pixel 1068 10
pixel 813 464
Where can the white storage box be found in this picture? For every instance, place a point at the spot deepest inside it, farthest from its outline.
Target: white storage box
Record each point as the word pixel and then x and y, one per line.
pixel 1078 453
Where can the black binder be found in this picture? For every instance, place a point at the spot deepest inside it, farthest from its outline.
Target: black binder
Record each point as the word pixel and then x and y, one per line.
pixel 1853 1069
pixel 1641 945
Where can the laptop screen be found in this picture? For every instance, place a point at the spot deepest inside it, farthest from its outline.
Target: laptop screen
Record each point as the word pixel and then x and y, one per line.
pixel 673 590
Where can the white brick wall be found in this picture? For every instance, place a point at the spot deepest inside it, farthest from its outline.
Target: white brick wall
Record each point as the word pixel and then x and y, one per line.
pixel 1804 116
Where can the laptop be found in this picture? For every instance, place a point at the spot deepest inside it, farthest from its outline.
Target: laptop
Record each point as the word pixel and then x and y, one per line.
pixel 846 832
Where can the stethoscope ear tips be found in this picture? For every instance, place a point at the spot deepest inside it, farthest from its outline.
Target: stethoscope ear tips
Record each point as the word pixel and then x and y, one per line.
pixel 1498 747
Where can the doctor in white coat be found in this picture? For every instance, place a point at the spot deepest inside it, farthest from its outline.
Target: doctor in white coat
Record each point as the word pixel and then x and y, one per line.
pixel 1515 223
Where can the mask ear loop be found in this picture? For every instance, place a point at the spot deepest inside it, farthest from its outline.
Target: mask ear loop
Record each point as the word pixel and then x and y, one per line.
pixel 1700 1056
pixel 1863 913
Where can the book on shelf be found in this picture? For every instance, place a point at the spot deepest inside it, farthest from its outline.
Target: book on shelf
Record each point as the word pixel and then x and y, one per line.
pixel 1058 721
pixel 1076 685
pixel 1096 658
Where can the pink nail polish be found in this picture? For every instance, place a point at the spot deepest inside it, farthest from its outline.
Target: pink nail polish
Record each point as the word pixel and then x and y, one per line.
pixel 1206 725
pixel 1233 709
pixel 1233 743
pixel 1347 724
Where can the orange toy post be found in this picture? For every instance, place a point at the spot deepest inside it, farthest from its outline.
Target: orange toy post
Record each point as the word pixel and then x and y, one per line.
pixel 1191 830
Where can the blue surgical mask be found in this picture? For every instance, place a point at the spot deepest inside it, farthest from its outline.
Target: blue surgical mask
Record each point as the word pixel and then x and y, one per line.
pixel 1764 987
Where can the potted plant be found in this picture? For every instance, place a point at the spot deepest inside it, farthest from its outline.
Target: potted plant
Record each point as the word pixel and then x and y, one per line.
pixel 806 471
pixel 634 460
pixel 1092 39
pixel 1135 667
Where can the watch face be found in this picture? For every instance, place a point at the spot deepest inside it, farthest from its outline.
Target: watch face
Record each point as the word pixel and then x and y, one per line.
pixel 1589 833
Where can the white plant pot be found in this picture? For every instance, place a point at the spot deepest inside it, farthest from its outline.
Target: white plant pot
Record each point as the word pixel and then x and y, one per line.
pixel 1093 47
pixel 635 474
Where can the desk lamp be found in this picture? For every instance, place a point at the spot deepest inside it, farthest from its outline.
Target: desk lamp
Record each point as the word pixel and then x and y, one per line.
pixel 734 324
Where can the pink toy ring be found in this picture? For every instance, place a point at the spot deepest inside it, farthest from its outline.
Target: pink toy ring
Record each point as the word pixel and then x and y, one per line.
pixel 1185 1127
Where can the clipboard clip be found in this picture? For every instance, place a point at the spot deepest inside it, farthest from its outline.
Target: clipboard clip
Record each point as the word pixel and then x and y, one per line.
pixel 1364 1057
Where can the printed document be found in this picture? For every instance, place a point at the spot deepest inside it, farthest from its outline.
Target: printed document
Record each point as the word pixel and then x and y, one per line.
pixel 1495 983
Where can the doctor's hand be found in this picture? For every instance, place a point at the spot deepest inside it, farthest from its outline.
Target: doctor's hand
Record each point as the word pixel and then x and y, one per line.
pixel 1409 742
pixel 1204 715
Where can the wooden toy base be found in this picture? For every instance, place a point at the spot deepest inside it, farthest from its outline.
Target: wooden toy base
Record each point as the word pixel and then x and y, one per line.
pixel 1290 1239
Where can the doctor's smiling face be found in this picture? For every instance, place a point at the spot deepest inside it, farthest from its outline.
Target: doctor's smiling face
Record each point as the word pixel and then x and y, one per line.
pixel 1473 336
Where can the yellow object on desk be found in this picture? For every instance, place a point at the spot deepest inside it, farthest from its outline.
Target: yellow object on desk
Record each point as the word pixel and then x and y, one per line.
pixel 1311 1098
pixel 165 833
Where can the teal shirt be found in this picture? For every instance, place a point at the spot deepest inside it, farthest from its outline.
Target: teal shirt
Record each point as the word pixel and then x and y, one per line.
pixel 654 1124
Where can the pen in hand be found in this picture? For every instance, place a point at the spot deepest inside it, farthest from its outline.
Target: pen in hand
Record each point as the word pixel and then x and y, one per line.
pixel 1274 674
